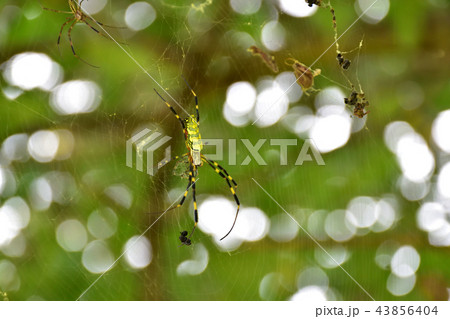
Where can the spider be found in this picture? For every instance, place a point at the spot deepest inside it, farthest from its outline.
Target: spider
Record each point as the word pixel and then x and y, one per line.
pixel 343 62
pixel 78 16
pixel 356 99
pixel 269 60
pixel 359 103
pixel 304 75
pixel 194 147
pixel 184 240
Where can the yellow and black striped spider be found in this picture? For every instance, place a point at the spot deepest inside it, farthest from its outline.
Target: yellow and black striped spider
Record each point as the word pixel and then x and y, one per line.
pixel 194 146
pixel 78 16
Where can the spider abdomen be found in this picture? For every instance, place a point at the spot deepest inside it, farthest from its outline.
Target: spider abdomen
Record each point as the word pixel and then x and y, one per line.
pixel 194 140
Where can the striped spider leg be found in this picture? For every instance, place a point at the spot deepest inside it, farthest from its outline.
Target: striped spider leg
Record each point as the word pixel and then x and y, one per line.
pixel 77 16
pixel 194 146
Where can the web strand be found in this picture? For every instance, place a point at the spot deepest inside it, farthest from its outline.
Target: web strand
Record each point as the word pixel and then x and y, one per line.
pixel 131 245
pixel 136 62
pixel 315 241
pixel 310 67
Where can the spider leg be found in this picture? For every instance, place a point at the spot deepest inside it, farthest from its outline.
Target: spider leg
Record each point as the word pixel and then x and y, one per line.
pixel 185 193
pixel 69 19
pixel 354 49
pixel 191 183
pixel 71 44
pixel 176 158
pixel 90 26
pixel 173 110
pixel 194 200
pixel 220 170
pixel 53 10
pixel 105 25
pixel 57 11
pixel 196 99
pixel 99 32
pixel 334 28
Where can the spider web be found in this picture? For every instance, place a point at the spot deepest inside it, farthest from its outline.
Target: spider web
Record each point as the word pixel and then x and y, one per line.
pixel 205 42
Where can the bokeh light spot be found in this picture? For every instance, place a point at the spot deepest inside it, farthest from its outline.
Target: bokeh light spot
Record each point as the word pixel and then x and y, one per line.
pixel 75 97
pixel 271 105
pixel 316 222
pixel 41 194
pixel 441 131
pixel 9 278
pixel 376 10
pixel 139 15
pixel 400 286
pixel 410 95
pixel 197 264
pixel 102 223
pixel 444 180
pixel 32 70
pixel 253 224
pixel 241 97
pixel 339 255
pixel 414 157
pixel 298 9
pixel 16 247
pixel 245 6
pixel 97 257
pixel 273 36
pixel 71 235
pixel 285 81
pixel 330 130
pixel 413 191
pixel 138 252
pixel 361 212
pixel 312 276
pixel 394 131
pixel 216 215
pixel 271 286
pixel 310 294
pixel 385 214
pixel 14 148
pixel 43 146
pixel 405 262
pixel 431 216
pixel 338 227
pixel 93 7
pixel 282 228
pixel 120 194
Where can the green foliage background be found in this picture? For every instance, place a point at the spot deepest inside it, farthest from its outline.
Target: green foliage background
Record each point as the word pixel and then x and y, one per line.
pixel 414 35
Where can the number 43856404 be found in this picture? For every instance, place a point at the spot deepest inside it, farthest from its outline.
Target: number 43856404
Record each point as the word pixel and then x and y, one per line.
pixel 404 310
